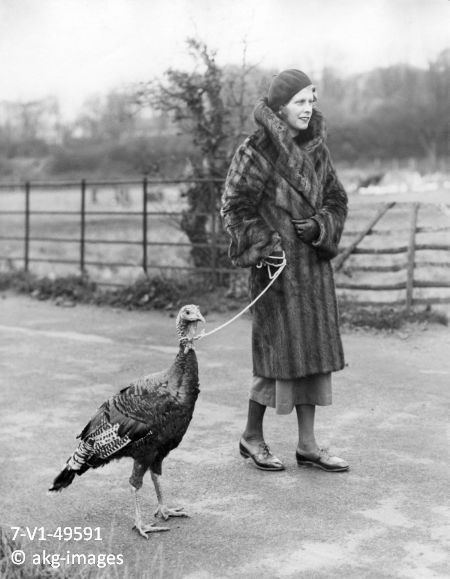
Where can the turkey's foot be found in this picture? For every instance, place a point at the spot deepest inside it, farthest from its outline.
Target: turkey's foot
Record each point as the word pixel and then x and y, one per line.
pixel 165 512
pixel 143 530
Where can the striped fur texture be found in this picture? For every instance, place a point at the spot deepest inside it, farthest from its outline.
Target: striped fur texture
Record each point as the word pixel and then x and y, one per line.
pixel 295 324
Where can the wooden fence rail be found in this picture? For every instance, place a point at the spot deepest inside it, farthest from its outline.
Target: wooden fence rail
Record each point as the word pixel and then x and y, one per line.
pixel 345 254
pixel 410 265
pixel 410 250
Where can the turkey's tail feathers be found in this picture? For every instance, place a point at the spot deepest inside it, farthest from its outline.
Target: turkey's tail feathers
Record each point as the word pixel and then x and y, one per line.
pixel 63 480
pixel 75 465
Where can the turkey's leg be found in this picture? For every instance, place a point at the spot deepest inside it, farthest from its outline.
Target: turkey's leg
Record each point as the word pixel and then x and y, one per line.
pixel 136 480
pixel 140 528
pixel 163 511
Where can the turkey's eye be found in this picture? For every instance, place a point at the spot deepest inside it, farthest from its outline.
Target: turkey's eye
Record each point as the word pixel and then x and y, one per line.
pixel 188 313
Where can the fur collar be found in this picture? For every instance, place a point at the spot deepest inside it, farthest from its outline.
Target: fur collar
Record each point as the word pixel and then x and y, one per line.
pixel 292 158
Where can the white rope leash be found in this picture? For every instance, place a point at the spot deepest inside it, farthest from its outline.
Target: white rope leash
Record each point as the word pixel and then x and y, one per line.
pixel 238 315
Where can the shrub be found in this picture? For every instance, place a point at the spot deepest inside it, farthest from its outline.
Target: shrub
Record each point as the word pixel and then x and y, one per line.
pixel 159 292
pixel 145 293
pixel 78 159
pixel 386 317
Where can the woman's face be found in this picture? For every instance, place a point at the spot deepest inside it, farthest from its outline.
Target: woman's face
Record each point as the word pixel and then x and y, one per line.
pixel 297 112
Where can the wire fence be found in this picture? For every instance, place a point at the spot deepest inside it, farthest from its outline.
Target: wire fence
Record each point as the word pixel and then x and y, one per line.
pixel 29 222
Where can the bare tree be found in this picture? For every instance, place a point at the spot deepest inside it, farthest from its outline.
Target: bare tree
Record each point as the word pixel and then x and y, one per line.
pixel 242 87
pixel 108 117
pixel 435 112
pixel 194 102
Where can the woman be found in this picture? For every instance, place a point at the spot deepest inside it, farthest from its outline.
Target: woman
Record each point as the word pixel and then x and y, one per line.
pixel 282 199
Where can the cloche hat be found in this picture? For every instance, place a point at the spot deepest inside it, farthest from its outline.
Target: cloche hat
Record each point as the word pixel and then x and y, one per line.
pixel 285 85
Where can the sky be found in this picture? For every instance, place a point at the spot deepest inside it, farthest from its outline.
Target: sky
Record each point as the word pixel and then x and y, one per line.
pixel 77 48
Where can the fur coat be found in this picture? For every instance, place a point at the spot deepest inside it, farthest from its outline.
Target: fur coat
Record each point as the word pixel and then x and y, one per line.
pixel 272 179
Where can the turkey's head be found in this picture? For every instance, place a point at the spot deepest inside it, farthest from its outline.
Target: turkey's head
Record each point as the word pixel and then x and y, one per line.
pixel 187 320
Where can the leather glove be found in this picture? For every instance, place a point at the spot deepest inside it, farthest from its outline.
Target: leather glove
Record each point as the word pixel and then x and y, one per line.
pixel 307 230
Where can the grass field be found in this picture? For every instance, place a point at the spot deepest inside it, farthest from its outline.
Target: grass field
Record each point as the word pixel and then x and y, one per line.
pixel 125 230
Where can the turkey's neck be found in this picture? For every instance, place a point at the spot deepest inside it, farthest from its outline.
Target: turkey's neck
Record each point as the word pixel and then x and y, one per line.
pixel 186 367
pixel 186 332
pixel 186 362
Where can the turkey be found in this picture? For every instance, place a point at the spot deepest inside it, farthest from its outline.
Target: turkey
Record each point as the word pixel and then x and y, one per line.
pixel 144 421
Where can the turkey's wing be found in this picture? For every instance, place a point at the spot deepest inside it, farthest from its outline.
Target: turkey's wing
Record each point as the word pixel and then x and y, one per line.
pixel 128 416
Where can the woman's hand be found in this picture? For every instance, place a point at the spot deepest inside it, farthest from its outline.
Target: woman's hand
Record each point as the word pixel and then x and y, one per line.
pixel 306 229
pixel 275 260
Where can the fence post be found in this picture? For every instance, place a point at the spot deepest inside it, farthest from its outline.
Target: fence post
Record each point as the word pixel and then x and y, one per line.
pixel 27 226
pixel 82 225
pixel 144 224
pixel 411 258
pixel 213 265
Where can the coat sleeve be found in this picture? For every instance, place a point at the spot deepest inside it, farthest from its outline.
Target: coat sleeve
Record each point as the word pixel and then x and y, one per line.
pixel 251 238
pixel 332 214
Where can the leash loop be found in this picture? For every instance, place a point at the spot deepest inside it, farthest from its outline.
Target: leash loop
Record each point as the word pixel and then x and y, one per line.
pixel 272 276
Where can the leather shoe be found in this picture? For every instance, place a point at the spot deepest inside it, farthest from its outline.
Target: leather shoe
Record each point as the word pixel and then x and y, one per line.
pixel 262 457
pixel 323 460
